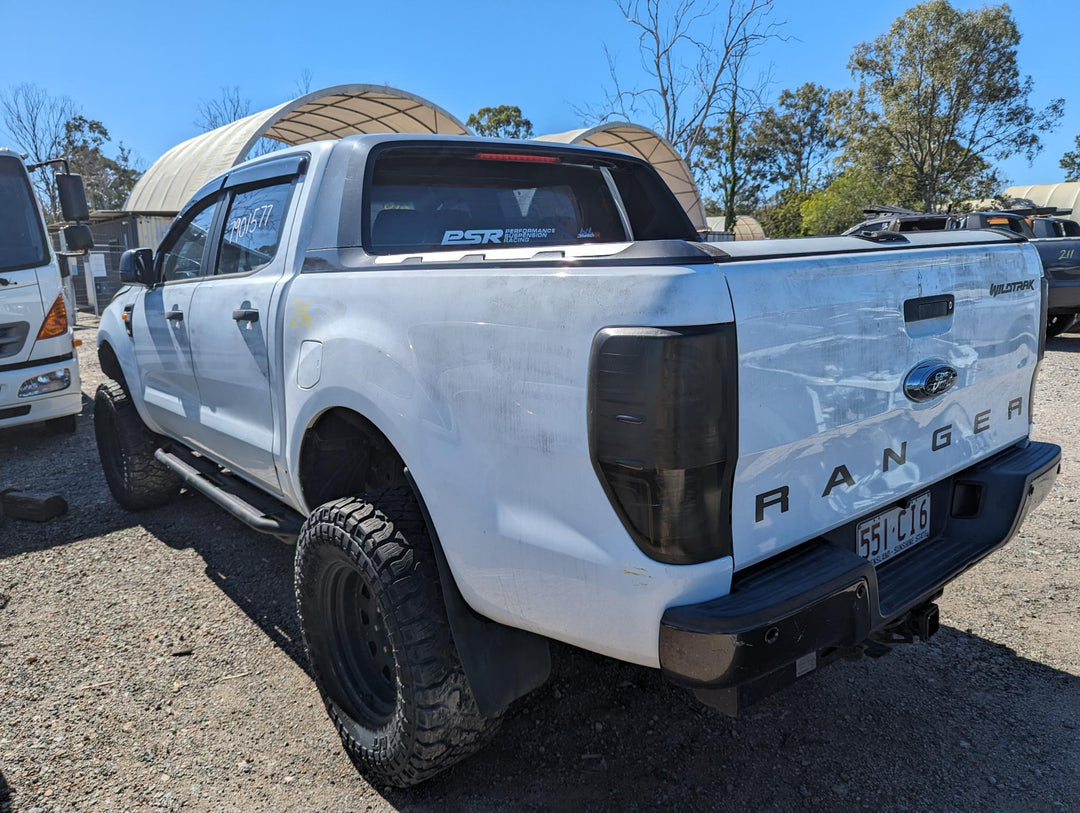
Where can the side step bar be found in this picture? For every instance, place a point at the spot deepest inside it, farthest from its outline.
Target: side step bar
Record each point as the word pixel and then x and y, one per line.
pixel 231 493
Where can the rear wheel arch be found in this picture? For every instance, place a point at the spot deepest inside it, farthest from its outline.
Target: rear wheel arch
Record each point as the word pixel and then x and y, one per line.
pixel 344 454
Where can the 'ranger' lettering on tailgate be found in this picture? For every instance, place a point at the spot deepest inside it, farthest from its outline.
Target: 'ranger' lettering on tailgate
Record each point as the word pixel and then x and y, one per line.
pixel 941 438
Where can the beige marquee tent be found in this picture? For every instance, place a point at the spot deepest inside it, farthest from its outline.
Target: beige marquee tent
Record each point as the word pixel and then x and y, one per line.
pixel 654 148
pixel 346 110
pixel 1061 195
pixel 324 114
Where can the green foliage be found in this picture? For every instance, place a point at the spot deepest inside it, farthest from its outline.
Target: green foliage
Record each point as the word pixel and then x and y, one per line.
pixel 794 141
pixel 839 206
pixel 1070 162
pixel 108 181
pixel 727 165
pixel 782 215
pixel 503 121
pixel 941 93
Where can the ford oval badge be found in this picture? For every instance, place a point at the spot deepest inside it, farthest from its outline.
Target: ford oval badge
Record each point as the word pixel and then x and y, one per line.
pixel 929 380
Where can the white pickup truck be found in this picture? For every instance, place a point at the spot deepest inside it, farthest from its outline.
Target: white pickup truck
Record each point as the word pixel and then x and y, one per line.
pixel 502 394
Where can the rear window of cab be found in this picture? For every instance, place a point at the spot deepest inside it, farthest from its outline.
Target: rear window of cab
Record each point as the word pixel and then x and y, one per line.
pixel 423 199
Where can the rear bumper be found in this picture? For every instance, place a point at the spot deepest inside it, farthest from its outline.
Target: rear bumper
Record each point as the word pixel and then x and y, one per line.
pixel 823 600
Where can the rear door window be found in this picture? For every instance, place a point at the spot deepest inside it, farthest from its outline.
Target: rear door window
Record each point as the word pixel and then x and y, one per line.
pixel 453 198
pixel 252 230
pixel 22 240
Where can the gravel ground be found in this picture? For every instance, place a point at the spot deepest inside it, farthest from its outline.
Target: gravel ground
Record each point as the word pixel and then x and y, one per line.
pixel 153 661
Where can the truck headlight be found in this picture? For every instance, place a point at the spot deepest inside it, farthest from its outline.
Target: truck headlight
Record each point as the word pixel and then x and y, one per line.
pixel 46 382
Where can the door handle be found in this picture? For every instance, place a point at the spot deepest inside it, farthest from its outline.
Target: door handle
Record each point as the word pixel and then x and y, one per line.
pixel 246 315
pixel 928 307
pixel 174 316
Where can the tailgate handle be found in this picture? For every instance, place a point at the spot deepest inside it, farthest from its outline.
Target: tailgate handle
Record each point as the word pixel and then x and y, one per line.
pixel 928 307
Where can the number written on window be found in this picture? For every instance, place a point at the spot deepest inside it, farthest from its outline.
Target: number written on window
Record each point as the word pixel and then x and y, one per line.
pixel 253 227
pixel 247 223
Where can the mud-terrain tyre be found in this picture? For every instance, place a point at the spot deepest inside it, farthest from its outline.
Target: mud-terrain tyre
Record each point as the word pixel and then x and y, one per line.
pixel 61 426
pixel 378 641
pixel 1056 325
pixel 126 448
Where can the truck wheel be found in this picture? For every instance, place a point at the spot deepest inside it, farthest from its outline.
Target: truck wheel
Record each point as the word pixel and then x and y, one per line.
pixel 126 448
pixel 61 426
pixel 1056 325
pixel 378 640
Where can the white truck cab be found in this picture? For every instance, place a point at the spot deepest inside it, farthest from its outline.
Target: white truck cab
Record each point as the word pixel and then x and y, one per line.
pixel 39 370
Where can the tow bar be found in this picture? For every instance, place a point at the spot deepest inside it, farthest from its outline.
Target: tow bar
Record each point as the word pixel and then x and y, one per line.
pixel 924 621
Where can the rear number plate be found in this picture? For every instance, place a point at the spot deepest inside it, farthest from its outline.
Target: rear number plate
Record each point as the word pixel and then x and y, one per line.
pixel 893 531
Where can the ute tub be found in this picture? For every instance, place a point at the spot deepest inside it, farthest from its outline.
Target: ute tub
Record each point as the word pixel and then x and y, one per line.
pixel 782 619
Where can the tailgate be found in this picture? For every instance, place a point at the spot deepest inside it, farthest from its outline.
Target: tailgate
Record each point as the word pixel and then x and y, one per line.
pixel 826 431
pixel 21 315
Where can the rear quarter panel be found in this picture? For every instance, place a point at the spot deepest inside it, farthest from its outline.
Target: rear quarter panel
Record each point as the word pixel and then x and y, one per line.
pixel 479 379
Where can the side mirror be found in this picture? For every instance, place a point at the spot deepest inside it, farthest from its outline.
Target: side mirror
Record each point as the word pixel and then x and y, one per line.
pixel 137 266
pixel 78 238
pixel 72 197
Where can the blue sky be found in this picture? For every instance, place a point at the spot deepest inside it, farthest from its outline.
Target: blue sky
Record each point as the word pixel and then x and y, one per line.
pixel 142 68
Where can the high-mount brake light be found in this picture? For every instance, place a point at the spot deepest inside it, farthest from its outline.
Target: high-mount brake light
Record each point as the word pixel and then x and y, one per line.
pixel 518 156
pixel 663 435
pixel 56 321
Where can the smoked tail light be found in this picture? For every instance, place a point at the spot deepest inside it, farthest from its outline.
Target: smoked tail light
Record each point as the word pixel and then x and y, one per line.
pixel 663 435
pixel 56 321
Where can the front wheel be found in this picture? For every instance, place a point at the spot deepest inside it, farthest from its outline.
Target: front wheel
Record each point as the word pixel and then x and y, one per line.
pixel 126 448
pixel 378 640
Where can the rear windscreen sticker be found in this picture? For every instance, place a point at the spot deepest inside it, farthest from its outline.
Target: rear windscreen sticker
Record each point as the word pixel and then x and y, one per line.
pixel 464 237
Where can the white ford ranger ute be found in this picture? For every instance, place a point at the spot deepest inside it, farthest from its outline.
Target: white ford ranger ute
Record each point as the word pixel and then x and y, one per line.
pixel 500 393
